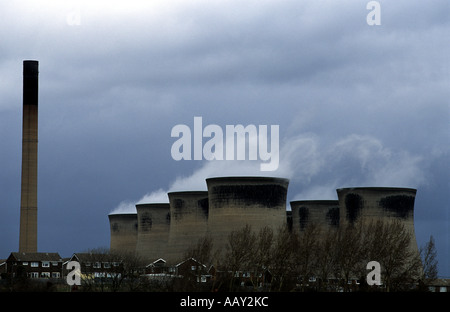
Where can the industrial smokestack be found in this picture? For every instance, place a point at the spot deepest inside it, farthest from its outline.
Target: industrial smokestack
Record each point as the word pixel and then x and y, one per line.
pixel 28 200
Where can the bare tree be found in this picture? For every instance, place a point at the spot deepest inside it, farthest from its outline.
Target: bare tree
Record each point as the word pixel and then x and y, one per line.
pixel 389 243
pixel 125 271
pixel 240 248
pixel 93 277
pixel 262 255
pixel 283 264
pixel 428 255
pixel 105 270
pixel 202 251
pixel 305 253
pixel 341 254
pixel 326 258
pixel 349 252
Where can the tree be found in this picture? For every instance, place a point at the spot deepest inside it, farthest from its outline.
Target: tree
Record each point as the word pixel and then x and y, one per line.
pixel 93 276
pixel 390 244
pixel 306 252
pixel 349 252
pixel 283 264
pixel 325 258
pixel 105 270
pixel 125 270
pixel 261 258
pixel 428 255
pixel 202 251
pixel 240 248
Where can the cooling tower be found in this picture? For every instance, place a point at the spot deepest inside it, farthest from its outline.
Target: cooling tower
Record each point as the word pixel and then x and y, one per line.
pixel 237 201
pixel 153 230
pixel 188 222
pixel 378 203
pixel 28 200
pixel 124 232
pixel 323 213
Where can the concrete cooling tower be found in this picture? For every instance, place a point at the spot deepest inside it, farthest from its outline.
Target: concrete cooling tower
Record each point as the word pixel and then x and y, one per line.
pixel 378 203
pixel 323 213
pixel 188 222
pixel 237 201
pixel 153 230
pixel 124 230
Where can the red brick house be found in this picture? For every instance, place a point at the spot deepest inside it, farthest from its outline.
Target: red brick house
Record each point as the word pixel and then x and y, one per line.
pixel 193 270
pixel 34 265
pixel 96 265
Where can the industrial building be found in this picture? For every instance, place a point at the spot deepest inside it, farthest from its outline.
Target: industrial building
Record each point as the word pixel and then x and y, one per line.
pixel 379 203
pixel 325 213
pixel 165 231
pixel 160 230
pixel 188 221
pixel 237 201
pixel 152 226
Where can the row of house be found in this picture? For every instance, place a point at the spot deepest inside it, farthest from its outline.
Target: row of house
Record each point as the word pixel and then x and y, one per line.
pixel 51 266
pixel 32 265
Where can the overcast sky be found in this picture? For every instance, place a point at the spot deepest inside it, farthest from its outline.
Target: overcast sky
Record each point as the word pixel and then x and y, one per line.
pixel 356 105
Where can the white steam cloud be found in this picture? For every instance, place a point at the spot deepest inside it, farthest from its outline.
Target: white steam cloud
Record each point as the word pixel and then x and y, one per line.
pixel 315 170
pixel 358 160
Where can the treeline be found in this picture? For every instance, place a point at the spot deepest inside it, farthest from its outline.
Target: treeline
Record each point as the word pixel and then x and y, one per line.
pixel 334 259
pixel 315 259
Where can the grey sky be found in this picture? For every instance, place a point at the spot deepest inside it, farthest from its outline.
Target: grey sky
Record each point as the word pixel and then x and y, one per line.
pixel 357 105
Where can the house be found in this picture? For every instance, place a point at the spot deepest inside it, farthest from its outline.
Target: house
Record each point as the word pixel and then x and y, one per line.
pixel 439 285
pixel 193 270
pixel 34 265
pixel 157 267
pixel 2 268
pixel 190 269
pixel 95 265
pixel 158 270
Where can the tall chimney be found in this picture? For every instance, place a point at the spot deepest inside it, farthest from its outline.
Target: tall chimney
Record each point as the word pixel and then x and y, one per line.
pixel 28 200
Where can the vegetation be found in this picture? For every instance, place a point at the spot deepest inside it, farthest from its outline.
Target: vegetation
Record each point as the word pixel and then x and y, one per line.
pixel 318 260
pixel 334 259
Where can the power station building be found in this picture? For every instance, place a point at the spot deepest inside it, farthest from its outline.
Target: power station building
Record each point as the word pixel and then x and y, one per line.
pixel 379 203
pixel 324 213
pixel 165 231
pixel 160 230
pixel 152 226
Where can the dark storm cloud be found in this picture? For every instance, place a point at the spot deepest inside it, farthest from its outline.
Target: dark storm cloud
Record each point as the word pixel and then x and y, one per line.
pixel 356 104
